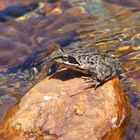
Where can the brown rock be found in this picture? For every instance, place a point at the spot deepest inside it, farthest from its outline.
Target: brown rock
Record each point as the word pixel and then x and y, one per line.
pixel 50 10
pixel 7 3
pixel 133 130
pixel 77 11
pixel 127 3
pixel 65 107
pixel 14 47
pixel 5 103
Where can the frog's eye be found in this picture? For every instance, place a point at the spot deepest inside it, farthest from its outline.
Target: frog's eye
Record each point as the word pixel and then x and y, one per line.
pixel 113 57
pixel 65 58
pixel 72 60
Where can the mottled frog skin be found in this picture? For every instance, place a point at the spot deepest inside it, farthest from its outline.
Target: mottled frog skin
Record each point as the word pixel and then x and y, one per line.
pixel 101 66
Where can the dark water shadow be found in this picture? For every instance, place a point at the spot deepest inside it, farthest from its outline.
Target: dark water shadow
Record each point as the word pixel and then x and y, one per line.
pixel 16 11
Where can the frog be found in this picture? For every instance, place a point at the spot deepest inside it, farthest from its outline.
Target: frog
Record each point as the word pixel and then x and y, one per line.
pixel 100 66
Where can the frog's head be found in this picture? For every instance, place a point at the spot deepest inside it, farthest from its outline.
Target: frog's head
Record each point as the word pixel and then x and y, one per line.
pixel 63 57
pixel 106 67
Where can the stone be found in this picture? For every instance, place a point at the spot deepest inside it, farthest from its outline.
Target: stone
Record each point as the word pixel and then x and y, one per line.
pixel 6 102
pixel 127 3
pixel 7 3
pixel 66 107
pixel 133 130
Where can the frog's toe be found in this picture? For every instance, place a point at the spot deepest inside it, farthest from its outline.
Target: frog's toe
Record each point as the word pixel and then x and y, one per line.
pixel 92 83
pixel 96 84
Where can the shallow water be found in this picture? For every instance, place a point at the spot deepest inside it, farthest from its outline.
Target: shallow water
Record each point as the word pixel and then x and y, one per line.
pixel 105 26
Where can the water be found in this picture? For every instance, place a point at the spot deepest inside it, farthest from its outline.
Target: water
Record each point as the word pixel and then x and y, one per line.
pixel 106 26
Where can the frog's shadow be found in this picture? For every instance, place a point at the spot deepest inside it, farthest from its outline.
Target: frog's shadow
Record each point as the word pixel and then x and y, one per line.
pixel 66 74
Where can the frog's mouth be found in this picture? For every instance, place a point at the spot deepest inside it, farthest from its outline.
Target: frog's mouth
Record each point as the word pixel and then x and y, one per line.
pixel 72 64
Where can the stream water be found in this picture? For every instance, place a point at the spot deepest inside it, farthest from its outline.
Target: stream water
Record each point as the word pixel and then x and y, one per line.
pixel 112 27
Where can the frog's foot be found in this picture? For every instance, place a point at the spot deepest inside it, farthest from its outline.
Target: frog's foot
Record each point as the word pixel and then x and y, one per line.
pixel 96 82
pixel 93 82
pixel 45 70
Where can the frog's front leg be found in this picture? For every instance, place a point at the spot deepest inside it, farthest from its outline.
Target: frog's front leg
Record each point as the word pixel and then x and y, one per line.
pixel 48 67
pixel 95 80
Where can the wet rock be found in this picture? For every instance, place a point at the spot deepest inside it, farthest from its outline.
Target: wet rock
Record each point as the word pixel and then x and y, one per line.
pixel 66 107
pixel 133 130
pixel 56 8
pixel 77 11
pixel 7 3
pixel 128 3
pixel 5 103
pixel 51 10
pixel 15 12
pixel 13 46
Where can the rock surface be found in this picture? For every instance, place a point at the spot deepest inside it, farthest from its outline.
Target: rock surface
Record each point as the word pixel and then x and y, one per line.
pixel 5 103
pixel 7 3
pixel 66 107
pixel 128 3
pixel 133 130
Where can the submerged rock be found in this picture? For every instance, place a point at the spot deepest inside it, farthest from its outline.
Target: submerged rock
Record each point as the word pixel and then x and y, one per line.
pixel 66 107
pixel 127 3
pixel 6 102
pixel 7 3
pixel 133 130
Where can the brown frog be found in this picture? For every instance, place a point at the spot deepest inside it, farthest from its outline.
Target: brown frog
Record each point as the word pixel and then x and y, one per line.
pixel 100 66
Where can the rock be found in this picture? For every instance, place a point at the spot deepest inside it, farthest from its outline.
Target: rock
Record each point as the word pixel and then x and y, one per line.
pixel 6 102
pixel 127 3
pixel 133 130
pixel 12 58
pixel 66 107
pixel 77 11
pixel 7 3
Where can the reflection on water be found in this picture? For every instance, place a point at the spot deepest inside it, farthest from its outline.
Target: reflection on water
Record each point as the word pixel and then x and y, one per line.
pixel 79 23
